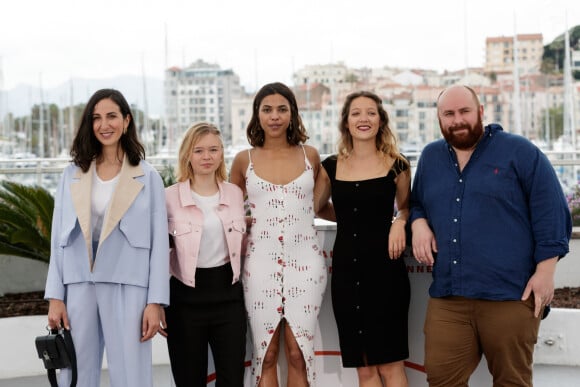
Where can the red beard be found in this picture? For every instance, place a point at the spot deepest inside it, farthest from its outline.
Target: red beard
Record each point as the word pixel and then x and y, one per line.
pixel 464 141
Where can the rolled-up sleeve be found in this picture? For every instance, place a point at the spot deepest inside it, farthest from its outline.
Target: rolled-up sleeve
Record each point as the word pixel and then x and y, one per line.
pixel 549 213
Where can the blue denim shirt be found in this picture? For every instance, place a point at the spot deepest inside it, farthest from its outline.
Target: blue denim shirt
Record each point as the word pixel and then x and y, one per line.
pixel 495 220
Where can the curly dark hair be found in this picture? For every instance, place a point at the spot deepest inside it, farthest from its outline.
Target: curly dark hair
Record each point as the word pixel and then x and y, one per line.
pixel 295 133
pixel 86 148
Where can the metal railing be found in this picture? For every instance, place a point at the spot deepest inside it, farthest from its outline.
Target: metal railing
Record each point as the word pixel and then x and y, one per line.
pixel 45 172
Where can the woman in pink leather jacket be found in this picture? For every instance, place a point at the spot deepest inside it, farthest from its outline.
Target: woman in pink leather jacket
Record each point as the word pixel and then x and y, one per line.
pixel 206 226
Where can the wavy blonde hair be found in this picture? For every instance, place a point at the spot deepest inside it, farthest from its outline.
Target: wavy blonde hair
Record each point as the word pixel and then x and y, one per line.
pixel 385 140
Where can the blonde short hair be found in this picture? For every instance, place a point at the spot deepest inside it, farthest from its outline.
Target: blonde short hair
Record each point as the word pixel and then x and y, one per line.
pixel 192 136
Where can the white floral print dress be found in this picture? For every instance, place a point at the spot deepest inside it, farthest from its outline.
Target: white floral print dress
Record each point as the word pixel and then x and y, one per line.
pixel 284 272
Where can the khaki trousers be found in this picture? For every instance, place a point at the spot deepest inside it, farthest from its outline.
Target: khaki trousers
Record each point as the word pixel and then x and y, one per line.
pixel 459 330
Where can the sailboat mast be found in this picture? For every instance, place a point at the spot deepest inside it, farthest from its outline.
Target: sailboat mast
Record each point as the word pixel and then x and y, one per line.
pixel 569 129
pixel 516 73
pixel 148 138
pixel 4 119
pixel 71 116
pixel 41 123
pixel 465 40
pixel 547 117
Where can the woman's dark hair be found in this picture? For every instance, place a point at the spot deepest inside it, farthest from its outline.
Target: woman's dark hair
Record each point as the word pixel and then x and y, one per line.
pixel 295 133
pixel 86 148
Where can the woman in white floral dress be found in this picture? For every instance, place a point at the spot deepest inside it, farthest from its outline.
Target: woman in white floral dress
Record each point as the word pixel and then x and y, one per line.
pixel 284 273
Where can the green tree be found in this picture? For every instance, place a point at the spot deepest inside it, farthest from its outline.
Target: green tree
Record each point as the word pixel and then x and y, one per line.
pixel 556 122
pixel 351 78
pixel 25 221
pixel 168 175
pixel 553 57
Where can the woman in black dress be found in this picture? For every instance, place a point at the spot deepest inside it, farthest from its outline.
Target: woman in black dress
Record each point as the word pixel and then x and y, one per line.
pixel 370 287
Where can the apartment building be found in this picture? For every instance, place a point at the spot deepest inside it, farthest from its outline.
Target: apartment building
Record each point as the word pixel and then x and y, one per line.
pixel 241 114
pixel 200 92
pixel 327 74
pixel 499 53
pixel 318 114
pixel 203 91
pixel 575 60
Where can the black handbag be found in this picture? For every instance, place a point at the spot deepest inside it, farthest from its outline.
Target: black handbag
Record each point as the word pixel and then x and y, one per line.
pixel 57 351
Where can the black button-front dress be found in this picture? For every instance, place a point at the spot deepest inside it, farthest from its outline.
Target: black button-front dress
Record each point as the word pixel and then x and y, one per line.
pixel 370 292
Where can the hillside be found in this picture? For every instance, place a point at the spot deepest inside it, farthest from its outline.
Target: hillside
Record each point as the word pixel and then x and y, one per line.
pixel 553 58
pixel 20 99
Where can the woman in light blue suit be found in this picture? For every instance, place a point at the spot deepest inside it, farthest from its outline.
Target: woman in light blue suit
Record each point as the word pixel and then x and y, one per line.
pixel 108 276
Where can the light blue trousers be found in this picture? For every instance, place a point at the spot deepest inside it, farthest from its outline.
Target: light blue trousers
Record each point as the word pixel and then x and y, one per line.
pixel 106 316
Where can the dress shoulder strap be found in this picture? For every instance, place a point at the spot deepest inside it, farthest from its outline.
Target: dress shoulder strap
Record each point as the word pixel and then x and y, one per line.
pixel 306 161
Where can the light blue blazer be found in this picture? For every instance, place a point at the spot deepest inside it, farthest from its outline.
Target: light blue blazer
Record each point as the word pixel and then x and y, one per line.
pixel 133 246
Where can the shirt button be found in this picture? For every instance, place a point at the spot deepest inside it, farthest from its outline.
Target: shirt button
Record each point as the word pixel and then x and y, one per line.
pixel 355 209
pixel 358 307
pixel 461 180
pixel 455 220
pixel 454 240
pixel 457 199
pixel 360 332
pixel 455 262
pixel 356 185
pixel 354 235
pixel 354 260
pixel 357 283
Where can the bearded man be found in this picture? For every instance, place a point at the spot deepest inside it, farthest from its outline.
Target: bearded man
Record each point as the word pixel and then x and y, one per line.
pixel 488 213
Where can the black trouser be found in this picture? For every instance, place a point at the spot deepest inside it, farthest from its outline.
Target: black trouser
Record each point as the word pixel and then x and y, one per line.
pixel 211 313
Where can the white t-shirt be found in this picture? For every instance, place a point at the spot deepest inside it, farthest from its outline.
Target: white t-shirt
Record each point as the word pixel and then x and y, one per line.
pixel 100 198
pixel 213 249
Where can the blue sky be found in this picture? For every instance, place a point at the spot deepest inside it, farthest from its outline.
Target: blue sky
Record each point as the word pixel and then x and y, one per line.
pixel 50 42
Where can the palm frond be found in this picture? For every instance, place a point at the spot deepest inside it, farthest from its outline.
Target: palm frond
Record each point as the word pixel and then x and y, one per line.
pixel 25 220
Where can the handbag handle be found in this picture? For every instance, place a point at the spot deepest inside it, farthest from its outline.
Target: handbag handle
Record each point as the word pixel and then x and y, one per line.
pixel 72 356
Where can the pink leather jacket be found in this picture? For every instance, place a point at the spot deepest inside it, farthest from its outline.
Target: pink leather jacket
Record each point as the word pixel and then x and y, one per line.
pixel 185 222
